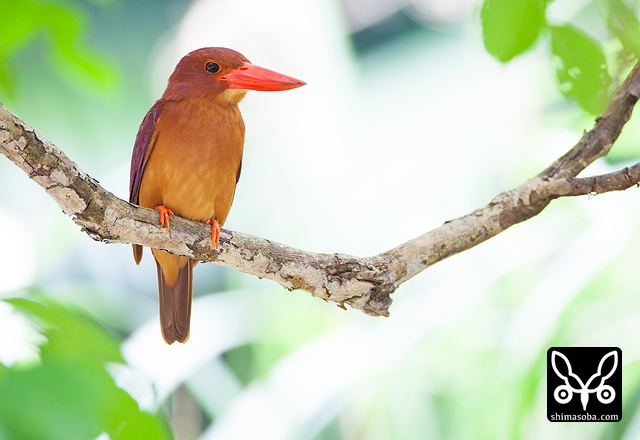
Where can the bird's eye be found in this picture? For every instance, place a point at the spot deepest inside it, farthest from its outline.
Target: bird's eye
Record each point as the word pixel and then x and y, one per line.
pixel 212 67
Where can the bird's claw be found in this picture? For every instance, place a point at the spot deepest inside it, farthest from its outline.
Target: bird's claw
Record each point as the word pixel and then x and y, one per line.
pixel 165 213
pixel 215 232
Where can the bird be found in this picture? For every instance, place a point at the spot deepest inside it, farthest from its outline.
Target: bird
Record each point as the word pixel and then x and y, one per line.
pixel 187 159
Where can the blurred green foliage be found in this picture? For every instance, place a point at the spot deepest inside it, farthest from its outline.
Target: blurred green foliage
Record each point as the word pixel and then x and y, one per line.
pixel 69 394
pixel 61 29
pixel 583 67
pixel 622 20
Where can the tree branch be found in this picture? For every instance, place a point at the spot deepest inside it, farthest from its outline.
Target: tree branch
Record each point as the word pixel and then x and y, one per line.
pixel 363 283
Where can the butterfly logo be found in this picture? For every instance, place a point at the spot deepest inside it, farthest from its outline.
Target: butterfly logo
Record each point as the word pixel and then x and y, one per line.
pixel 573 384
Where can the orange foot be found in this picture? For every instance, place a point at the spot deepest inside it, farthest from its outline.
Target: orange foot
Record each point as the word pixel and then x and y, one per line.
pixel 165 213
pixel 215 232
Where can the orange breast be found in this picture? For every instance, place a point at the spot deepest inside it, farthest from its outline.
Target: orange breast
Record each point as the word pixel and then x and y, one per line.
pixel 195 160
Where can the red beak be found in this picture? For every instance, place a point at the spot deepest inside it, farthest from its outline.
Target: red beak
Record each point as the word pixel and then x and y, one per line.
pixel 252 77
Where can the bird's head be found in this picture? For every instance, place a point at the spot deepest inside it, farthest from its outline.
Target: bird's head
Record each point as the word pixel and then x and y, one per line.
pixel 221 73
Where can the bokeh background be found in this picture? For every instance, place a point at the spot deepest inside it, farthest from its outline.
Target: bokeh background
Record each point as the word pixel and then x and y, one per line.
pixel 406 122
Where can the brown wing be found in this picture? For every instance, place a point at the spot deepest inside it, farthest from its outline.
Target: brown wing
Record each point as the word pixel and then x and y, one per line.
pixel 142 149
pixel 145 141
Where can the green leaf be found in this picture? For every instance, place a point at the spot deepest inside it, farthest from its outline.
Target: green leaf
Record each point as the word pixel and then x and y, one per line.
pixel 623 22
pixel 70 394
pixel 581 68
pixel 509 27
pixel 68 401
pixel 70 334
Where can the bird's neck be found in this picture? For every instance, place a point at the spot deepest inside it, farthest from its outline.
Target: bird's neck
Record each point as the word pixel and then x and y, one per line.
pixel 185 92
pixel 204 115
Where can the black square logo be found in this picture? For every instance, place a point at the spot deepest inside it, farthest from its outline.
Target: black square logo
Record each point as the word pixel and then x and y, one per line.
pixel 584 384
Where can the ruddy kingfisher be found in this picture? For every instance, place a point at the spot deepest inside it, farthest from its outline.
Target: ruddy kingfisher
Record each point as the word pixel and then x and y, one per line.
pixel 187 159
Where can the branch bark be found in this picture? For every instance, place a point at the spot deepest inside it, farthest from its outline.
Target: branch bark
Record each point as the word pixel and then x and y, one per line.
pixel 363 283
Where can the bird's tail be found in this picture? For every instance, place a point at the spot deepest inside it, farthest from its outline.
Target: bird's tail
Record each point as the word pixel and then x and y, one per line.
pixel 137 253
pixel 175 303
